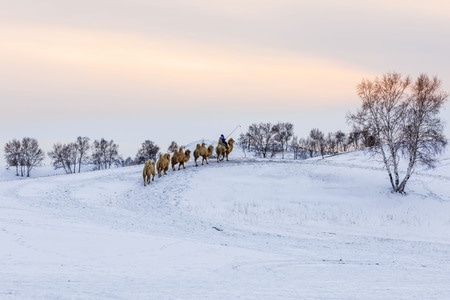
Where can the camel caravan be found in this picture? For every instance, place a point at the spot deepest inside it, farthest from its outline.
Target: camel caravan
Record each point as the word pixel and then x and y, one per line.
pixel 181 156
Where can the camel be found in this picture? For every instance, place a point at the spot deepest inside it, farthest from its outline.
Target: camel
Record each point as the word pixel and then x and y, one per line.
pixel 187 156
pixel 149 172
pixel 204 152
pixel 162 165
pixel 180 157
pixel 175 158
pixel 222 152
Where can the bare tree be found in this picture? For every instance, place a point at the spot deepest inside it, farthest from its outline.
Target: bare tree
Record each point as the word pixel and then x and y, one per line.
pixel 128 162
pixel 382 115
pixel 104 153
pixel 283 132
pixel 260 137
pixel 308 144
pixel 331 144
pixel 317 141
pixel 396 124
pixel 31 154
pixel 112 153
pixel 341 144
pixel 353 139
pixel 423 131
pixel 172 146
pixel 69 156
pixel 297 147
pixel 82 147
pixel 61 157
pixel 13 154
pixel 244 142
pixel 148 150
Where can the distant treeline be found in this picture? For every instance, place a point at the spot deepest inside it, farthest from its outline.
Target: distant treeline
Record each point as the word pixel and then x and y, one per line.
pixel 268 140
pixel 262 140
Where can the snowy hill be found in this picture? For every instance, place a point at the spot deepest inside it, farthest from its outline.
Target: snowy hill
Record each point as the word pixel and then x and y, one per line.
pixel 248 228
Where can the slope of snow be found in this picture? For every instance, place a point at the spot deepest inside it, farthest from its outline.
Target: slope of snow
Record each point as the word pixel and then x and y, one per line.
pixel 248 228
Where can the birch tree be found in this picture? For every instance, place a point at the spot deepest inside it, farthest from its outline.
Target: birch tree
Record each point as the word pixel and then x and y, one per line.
pixel 401 125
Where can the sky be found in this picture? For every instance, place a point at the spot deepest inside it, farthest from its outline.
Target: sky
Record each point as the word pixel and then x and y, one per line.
pixel 180 71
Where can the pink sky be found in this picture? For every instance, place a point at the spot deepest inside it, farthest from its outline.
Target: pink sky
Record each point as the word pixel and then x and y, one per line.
pixel 188 70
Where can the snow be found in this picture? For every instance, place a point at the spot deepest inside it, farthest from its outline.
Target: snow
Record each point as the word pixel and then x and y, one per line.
pixel 248 228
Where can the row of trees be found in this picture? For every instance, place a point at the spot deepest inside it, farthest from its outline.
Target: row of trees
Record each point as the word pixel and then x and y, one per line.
pixel 102 154
pixel 265 139
pixel 70 156
pixel 25 154
pixel 268 140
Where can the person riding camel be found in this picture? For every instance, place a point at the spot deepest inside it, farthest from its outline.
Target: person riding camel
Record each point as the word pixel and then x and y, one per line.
pixel 223 141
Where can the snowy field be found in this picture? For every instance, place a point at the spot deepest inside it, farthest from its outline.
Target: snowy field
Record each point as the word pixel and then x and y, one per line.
pixel 244 229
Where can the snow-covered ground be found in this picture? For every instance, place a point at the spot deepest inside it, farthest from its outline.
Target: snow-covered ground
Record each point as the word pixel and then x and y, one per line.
pixel 248 228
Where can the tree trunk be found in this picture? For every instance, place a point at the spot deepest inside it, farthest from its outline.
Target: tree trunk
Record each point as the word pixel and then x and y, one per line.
pixel 409 171
pixel 388 169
